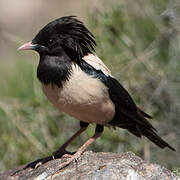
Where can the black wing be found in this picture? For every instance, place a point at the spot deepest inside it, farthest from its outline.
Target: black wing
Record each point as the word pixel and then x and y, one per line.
pixel 127 114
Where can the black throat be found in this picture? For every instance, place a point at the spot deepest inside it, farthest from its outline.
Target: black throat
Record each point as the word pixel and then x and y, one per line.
pixel 54 69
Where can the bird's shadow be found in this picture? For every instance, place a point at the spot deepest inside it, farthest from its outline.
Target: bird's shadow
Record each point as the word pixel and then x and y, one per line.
pixel 37 163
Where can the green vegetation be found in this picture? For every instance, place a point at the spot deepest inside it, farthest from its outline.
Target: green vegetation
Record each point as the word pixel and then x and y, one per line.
pixel 141 48
pixel 176 172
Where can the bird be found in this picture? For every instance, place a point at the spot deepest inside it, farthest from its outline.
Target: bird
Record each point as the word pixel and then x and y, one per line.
pixel 76 81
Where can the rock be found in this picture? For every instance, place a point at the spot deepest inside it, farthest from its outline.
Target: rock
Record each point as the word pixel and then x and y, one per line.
pixel 95 166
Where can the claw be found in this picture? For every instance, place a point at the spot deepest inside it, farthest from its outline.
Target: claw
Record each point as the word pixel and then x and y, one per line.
pixel 53 157
pixel 61 153
pixel 38 165
pixel 67 156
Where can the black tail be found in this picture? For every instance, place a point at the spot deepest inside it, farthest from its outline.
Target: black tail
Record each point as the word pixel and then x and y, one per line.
pixel 148 131
pixel 138 125
pixel 144 114
pixel 152 136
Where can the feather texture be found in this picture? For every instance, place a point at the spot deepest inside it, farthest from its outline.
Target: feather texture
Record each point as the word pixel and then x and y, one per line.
pixel 77 82
pixel 97 63
pixel 127 114
pixel 82 97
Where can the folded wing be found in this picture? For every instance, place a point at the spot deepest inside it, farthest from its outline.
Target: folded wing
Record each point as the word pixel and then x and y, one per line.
pixel 127 114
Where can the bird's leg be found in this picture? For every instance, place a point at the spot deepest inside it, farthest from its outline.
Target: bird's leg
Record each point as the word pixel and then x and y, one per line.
pixel 62 150
pixel 98 132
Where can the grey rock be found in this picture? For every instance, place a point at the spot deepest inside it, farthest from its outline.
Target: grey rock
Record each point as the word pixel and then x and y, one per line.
pixel 94 166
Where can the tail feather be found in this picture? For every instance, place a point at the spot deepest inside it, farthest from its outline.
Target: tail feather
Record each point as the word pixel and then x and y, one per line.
pixel 139 126
pixel 139 131
pixel 150 132
pixel 152 136
pixel 137 118
pixel 144 114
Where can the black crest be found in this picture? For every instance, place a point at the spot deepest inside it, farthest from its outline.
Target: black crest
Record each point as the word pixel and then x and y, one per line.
pixel 70 34
pixel 60 43
pixel 76 36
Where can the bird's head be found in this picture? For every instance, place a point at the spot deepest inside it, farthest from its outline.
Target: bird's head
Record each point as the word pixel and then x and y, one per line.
pixel 65 33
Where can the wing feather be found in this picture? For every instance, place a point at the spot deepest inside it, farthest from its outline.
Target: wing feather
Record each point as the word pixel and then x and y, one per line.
pixel 127 114
pixel 97 63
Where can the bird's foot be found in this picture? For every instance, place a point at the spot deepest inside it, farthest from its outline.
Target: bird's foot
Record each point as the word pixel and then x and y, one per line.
pixel 61 153
pixel 72 158
pixel 67 155
pixel 58 154
pixel 33 165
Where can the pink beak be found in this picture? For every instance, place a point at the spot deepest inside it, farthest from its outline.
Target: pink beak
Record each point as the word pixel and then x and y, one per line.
pixel 27 46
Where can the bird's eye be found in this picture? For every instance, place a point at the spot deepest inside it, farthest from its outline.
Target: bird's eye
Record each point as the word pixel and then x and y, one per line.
pixel 50 42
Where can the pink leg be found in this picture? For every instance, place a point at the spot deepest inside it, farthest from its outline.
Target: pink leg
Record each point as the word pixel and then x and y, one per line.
pixel 62 150
pixel 82 148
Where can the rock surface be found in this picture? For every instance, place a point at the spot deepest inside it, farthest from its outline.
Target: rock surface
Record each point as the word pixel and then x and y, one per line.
pixel 94 166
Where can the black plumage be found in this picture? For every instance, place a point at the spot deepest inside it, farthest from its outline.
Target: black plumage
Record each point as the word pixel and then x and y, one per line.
pixel 66 49
pixel 128 115
pixel 60 43
pixel 54 69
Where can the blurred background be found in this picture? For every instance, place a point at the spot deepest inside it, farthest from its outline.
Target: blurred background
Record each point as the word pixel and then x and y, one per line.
pixel 139 41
